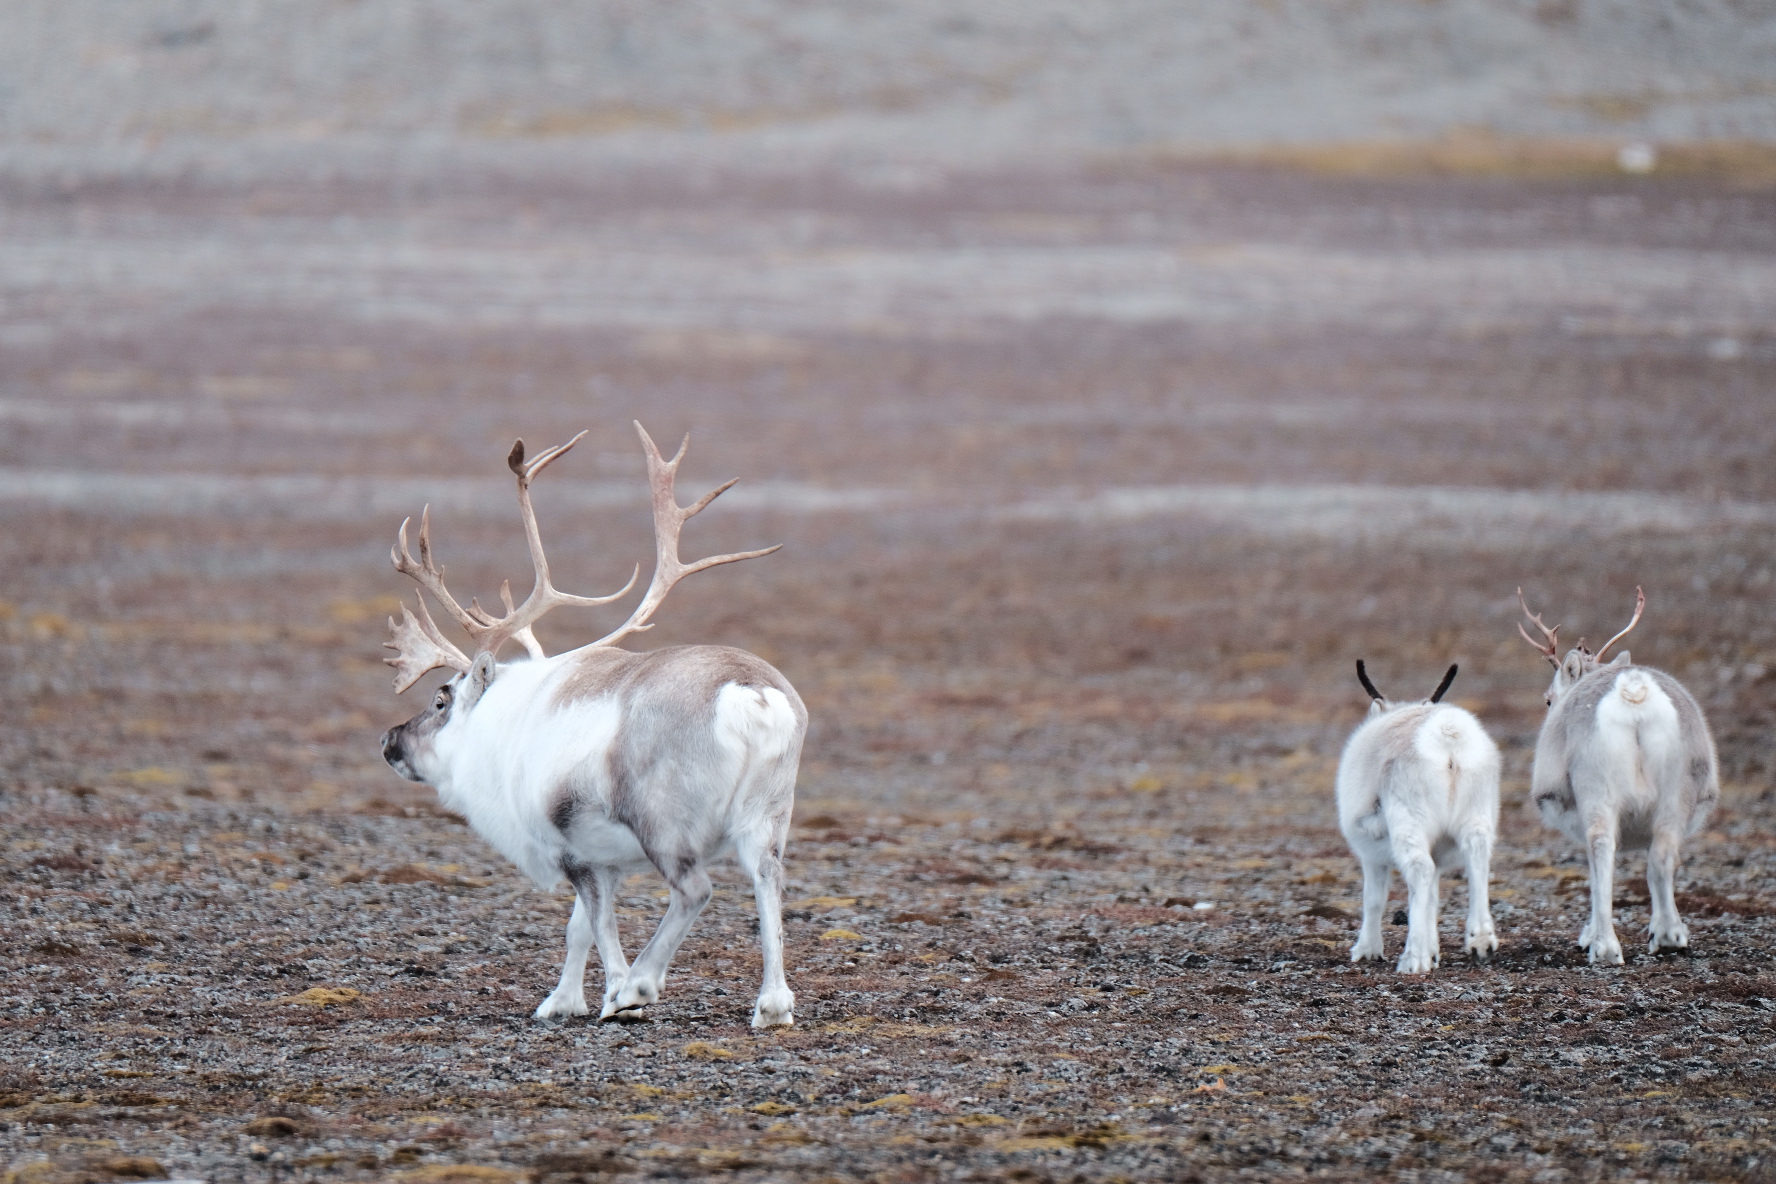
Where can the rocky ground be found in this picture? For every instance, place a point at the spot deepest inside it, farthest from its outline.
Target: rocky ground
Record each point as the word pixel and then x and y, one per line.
pixel 1094 483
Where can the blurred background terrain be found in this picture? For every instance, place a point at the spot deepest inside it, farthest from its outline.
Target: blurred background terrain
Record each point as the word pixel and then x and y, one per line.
pixel 1114 376
pixel 956 83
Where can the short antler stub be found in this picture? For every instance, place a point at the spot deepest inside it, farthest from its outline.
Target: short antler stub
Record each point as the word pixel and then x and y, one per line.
pixel 1363 677
pixel 1448 677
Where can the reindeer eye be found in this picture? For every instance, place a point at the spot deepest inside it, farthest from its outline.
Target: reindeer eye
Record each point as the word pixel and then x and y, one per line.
pixel 442 701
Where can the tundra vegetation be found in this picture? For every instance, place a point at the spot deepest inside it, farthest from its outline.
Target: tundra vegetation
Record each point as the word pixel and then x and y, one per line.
pixel 1072 601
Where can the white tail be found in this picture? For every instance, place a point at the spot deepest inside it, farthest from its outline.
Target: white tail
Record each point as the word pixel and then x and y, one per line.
pixel 599 761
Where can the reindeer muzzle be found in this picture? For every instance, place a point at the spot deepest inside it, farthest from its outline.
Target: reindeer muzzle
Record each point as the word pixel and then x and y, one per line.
pixel 395 753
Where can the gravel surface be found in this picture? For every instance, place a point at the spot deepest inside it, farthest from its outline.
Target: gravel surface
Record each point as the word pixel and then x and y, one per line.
pixel 1073 598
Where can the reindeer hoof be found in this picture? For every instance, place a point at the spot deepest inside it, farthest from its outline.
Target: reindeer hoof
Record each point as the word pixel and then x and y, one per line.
pixel 1481 946
pixel 774 1010
pixel 559 1005
pixel 1416 963
pixel 1675 937
pixel 1606 952
pixel 633 997
pixel 1366 950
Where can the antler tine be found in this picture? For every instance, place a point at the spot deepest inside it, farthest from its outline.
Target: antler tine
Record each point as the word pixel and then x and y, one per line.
pixel 424 572
pixel 419 647
pixel 524 637
pixel 1551 650
pixel 527 472
pixel 1639 607
pixel 669 520
pixel 544 596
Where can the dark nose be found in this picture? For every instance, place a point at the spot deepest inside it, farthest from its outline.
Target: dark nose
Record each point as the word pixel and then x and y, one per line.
pixel 391 746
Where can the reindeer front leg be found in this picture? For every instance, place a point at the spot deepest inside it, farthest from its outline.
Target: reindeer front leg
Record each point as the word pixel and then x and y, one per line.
pixel 691 890
pixel 593 923
pixel 569 996
pixel 594 913
pixel 605 882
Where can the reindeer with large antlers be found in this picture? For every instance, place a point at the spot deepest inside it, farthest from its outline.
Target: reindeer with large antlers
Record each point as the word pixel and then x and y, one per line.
pixel 598 762
pixel 1624 760
pixel 1418 790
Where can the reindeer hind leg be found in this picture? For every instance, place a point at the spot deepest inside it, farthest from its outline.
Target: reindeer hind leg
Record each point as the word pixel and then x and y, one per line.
pixel 762 859
pixel 1376 873
pixel 1482 937
pixel 1602 948
pixel 1419 871
pixel 1666 929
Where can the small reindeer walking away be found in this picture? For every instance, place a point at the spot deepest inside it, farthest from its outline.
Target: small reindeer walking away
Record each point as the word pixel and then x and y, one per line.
pixel 1624 760
pixel 1418 787
pixel 599 761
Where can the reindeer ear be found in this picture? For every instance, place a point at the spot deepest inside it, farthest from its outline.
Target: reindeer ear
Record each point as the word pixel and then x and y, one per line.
pixel 1574 666
pixel 1622 659
pixel 477 680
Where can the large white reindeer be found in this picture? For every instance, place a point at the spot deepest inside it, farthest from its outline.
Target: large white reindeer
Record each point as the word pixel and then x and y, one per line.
pixel 1418 788
pixel 599 761
pixel 1624 760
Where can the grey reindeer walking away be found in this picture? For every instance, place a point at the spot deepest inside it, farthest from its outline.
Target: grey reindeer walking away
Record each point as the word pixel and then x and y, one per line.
pixel 1624 761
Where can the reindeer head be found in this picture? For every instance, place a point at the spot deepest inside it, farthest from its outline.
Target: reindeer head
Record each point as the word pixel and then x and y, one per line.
pixel 1579 661
pixel 1381 705
pixel 413 749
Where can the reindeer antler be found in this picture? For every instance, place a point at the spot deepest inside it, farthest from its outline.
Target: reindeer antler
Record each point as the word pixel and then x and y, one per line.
pixel 1639 607
pixel 1550 651
pixel 1363 677
pixel 515 625
pixel 424 572
pixel 669 520
pixel 420 647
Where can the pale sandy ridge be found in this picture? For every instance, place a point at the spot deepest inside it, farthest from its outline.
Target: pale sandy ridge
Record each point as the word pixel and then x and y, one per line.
pixel 51 281
pixel 1329 510
pixel 908 79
